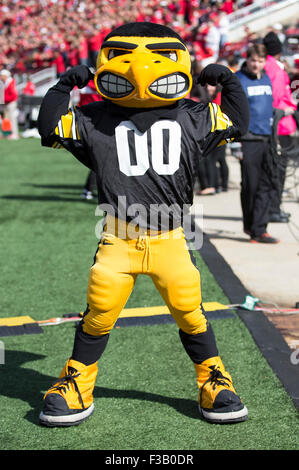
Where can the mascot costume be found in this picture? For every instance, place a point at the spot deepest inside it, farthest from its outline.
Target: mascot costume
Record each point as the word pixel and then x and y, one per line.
pixel 142 141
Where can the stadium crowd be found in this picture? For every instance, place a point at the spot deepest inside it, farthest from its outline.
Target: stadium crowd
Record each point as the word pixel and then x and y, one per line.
pixel 37 33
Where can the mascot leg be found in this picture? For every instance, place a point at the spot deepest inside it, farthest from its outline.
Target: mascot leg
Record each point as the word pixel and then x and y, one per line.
pixel 179 285
pixel 70 400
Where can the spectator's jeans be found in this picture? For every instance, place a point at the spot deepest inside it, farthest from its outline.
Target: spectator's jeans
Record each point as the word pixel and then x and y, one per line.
pixel 10 112
pixel 256 186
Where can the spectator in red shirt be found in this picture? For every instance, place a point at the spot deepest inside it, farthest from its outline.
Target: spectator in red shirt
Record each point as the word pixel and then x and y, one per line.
pixel 10 101
pixel 73 54
pixel 227 6
pixel 58 62
pixel 29 88
pixel 89 94
pixel 94 44
pixel 83 50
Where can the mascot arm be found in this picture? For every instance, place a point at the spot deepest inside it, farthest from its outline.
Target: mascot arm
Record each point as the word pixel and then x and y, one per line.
pixel 234 103
pixel 57 124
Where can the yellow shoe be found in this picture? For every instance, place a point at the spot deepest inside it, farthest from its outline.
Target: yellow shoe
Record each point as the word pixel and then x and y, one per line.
pixel 218 401
pixel 69 401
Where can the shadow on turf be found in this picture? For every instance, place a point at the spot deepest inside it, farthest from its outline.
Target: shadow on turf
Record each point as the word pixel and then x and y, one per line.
pixel 29 197
pixel 224 236
pixel 69 190
pixel 55 186
pixel 223 217
pixel 184 406
pixel 22 383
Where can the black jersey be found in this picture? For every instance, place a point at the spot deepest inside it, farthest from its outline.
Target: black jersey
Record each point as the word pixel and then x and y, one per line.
pixel 145 160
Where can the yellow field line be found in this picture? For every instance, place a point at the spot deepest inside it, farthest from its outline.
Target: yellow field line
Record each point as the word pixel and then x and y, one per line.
pixel 126 313
pixel 15 321
pixel 163 310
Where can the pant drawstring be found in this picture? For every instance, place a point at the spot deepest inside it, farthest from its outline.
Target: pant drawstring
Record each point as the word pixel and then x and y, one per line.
pixel 143 243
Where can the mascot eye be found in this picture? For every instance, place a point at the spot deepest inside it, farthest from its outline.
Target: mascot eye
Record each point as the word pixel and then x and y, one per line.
pixel 116 52
pixel 169 54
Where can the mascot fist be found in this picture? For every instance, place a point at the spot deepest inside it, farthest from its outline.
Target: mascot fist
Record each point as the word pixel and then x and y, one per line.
pixel 77 76
pixel 214 74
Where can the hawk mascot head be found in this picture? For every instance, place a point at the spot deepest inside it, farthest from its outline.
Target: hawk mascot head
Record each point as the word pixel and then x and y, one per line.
pixel 143 65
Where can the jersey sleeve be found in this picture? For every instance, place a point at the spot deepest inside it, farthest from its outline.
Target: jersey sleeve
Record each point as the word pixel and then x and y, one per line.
pixel 67 136
pixel 221 129
pixel 59 125
pixel 220 123
pixel 66 131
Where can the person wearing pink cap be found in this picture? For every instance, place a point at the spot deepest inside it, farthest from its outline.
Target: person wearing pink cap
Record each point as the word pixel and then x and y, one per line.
pixel 282 99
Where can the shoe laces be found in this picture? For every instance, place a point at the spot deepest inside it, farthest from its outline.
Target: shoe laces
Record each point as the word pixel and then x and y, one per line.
pixel 63 384
pixel 216 378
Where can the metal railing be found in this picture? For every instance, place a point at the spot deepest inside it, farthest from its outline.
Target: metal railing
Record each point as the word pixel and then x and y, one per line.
pixel 40 79
pixel 257 9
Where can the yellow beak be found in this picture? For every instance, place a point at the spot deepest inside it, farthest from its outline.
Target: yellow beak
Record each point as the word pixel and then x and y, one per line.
pixel 143 79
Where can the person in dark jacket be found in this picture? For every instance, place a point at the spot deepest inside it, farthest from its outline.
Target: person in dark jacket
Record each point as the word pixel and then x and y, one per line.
pixel 257 183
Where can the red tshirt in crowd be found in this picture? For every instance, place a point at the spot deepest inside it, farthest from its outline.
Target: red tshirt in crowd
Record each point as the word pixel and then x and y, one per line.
pixel 89 94
pixel 29 88
pixel 59 64
pixel 10 91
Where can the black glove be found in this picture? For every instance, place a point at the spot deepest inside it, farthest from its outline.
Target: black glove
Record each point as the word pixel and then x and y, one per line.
pixel 234 102
pixel 77 76
pixel 214 74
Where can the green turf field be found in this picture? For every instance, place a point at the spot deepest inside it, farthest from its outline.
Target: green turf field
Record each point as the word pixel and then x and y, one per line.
pixel 145 394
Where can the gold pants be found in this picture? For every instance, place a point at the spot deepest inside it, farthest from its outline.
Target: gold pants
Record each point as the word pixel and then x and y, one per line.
pixel 161 255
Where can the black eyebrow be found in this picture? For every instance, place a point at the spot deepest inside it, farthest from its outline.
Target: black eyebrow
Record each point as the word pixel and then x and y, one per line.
pixel 166 45
pixel 119 44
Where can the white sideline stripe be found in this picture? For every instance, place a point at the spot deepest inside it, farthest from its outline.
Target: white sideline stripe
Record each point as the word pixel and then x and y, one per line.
pixel 224 416
pixel 67 418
